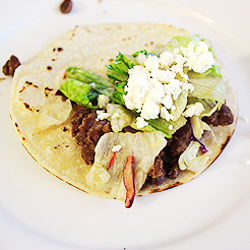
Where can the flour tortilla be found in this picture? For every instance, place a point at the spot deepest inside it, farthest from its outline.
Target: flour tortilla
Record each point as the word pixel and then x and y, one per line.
pixel 90 47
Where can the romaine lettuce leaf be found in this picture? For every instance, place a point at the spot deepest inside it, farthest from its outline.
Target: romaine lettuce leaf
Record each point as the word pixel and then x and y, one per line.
pixel 178 41
pixel 167 127
pixel 208 88
pixel 76 91
pixel 214 71
pixel 180 105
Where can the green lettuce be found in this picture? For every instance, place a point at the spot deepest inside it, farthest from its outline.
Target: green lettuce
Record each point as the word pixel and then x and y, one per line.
pixel 118 70
pixel 178 41
pixel 84 87
pixel 167 127
pixel 189 160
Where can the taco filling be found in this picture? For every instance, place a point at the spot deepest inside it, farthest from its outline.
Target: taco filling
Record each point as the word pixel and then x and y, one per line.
pixel 156 120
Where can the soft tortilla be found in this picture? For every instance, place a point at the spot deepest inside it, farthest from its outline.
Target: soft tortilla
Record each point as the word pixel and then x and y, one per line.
pixel 90 47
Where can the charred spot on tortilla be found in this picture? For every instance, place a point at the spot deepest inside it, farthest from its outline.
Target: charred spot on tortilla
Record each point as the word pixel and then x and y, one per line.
pixel 226 142
pixel 31 84
pixel 23 88
pixel 64 152
pixel 17 128
pixel 65 129
pixel 58 49
pixel 27 106
pixel 47 91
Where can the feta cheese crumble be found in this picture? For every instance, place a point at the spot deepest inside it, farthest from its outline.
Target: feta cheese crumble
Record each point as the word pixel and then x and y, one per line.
pixel 155 85
pixel 140 122
pixel 198 58
pixel 170 127
pixel 193 109
pixel 103 101
pixel 116 148
pixel 101 115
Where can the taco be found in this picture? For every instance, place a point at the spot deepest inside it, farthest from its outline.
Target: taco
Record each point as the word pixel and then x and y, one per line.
pixel 124 110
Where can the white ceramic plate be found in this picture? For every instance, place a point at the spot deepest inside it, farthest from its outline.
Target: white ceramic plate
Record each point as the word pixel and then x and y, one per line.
pixel 38 211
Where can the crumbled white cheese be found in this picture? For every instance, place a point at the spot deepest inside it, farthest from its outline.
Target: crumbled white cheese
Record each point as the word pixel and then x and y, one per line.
pixel 198 58
pixel 141 58
pixel 165 114
pixel 178 67
pixel 137 87
pixel 173 108
pixel 152 62
pixel 150 109
pixel 167 101
pixel 170 127
pixel 187 86
pixel 166 59
pixel 173 88
pixel 116 148
pixel 164 76
pixel 103 101
pixel 193 109
pixel 154 86
pixel 101 115
pixel 140 122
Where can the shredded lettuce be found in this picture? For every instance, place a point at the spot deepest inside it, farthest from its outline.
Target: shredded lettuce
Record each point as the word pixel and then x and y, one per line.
pixel 98 175
pixel 120 117
pixel 76 91
pixel 208 88
pixel 209 106
pixel 199 127
pixel 167 127
pixel 198 163
pixel 211 47
pixel 189 160
pixel 87 77
pixel 147 128
pixel 84 87
pixel 118 70
pixel 214 71
pixel 178 41
pixel 209 85
pixel 144 52
pixel 119 92
pixel 180 105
